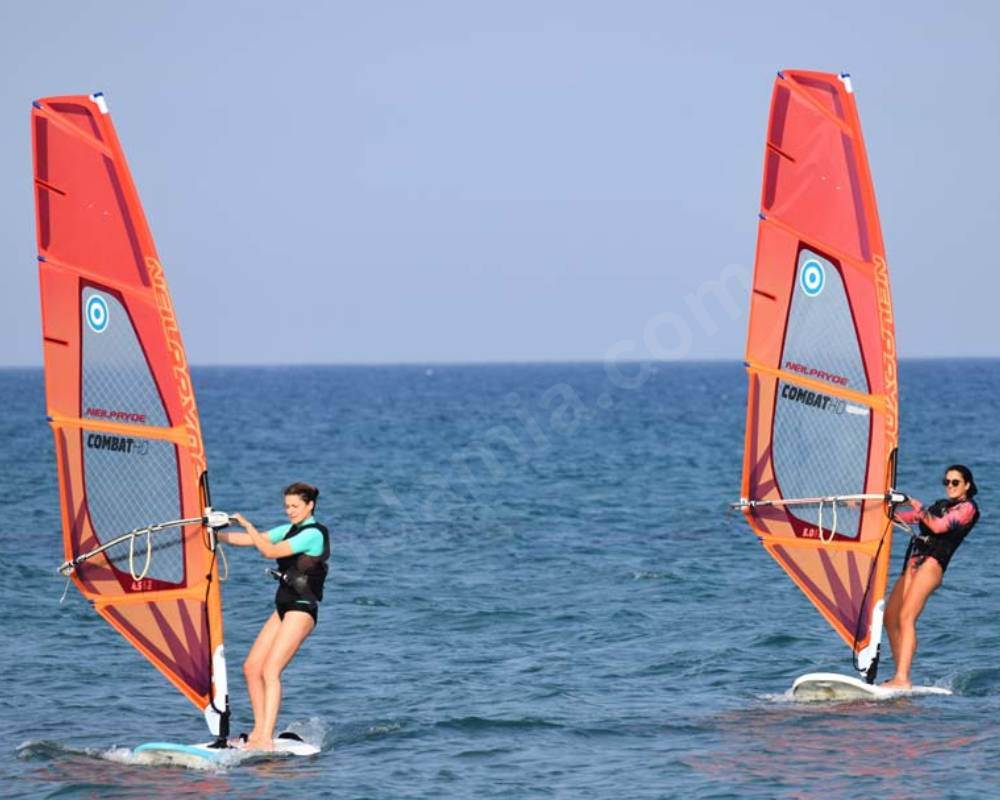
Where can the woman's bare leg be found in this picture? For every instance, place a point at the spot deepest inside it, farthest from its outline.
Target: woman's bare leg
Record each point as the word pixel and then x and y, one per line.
pixel 922 583
pixel 253 668
pixel 891 618
pixel 295 627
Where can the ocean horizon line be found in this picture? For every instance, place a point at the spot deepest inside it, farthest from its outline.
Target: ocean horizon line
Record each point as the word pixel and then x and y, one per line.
pixel 494 363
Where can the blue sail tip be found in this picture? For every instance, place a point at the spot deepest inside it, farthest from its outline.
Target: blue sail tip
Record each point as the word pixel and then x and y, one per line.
pixel 781 74
pixel 41 258
pixel 36 104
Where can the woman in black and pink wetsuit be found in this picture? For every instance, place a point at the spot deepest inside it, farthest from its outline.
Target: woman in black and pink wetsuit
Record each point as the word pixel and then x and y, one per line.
pixel 942 527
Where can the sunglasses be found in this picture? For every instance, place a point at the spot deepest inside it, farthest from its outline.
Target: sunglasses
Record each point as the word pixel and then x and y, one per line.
pixel 952 482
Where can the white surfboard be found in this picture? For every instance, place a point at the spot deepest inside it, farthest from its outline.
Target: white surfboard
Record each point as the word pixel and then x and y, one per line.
pixel 831 687
pixel 201 755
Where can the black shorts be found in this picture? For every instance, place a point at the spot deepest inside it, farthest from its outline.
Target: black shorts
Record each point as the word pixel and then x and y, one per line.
pixel 285 601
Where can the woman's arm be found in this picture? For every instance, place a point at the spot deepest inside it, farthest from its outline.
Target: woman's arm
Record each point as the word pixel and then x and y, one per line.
pixel 913 516
pixel 261 542
pixel 235 539
pixel 956 517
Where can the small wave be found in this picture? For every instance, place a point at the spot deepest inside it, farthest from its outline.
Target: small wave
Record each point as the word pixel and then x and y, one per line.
pixel 630 613
pixel 982 682
pixel 354 733
pixel 775 640
pixel 477 724
pixel 649 575
pixel 369 601
pixel 492 751
pixel 669 667
pixel 44 750
pixel 383 729
pixel 313 731
pixel 483 620
pixel 784 697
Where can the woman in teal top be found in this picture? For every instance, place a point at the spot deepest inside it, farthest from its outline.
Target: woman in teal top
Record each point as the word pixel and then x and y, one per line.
pixel 301 549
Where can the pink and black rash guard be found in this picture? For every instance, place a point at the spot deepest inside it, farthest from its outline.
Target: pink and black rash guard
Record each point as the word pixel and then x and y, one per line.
pixel 943 526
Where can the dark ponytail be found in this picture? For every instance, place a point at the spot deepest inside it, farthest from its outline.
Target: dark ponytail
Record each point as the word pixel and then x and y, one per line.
pixel 966 474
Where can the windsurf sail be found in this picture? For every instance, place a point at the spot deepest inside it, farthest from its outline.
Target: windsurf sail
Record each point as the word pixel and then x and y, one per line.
pixel 822 405
pixel 133 484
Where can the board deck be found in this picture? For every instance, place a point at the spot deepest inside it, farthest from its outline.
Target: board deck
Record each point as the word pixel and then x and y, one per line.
pixel 199 755
pixel 831 687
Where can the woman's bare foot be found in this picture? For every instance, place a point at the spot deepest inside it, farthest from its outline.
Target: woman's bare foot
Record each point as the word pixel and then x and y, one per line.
pixel 255 742
pixel 897 683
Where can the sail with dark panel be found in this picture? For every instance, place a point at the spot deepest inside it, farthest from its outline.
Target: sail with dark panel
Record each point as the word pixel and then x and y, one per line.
pixel 121 405
pixel 822 407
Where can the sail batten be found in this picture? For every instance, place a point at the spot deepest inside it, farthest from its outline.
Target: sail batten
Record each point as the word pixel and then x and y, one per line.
pixel 827 247
pixel 872 400
pixel 55 264
pixel 178 433
pixel 55 119
pixel 821 430
pixel 121 406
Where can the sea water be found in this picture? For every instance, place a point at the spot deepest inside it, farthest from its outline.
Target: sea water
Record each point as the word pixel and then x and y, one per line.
pixel 537 591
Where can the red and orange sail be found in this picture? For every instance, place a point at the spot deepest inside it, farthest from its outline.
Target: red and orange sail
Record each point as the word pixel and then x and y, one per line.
pixel 121 405
pixel 821 359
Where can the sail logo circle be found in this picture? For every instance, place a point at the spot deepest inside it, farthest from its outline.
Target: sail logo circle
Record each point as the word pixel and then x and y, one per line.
pixel 97 313
pixel 812 278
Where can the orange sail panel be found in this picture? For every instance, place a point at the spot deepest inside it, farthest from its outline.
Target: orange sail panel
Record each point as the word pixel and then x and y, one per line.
pixel 121 405
pixel 821 428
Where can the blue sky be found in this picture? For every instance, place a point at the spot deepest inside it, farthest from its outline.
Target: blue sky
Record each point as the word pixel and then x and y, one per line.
pixel 438 182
